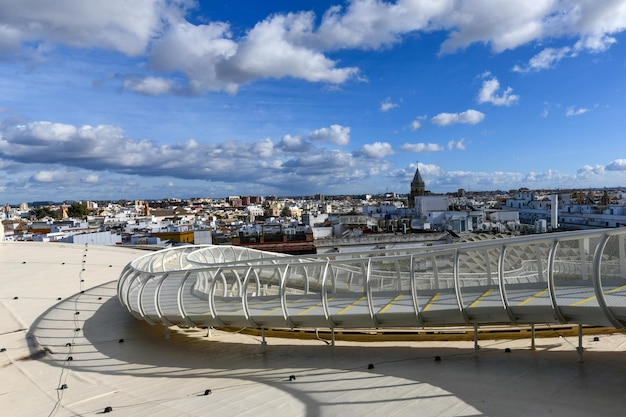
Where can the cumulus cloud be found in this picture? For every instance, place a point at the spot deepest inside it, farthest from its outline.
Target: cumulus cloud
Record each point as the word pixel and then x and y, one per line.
pixel 107 149
pixel 458 145
pixel 49 176
pixel 545 59
pixel 575 111
pixel 92 178
pixel 429 173
pixel 110 25
pixel 592 23
pixel 339 135
pixel 548 177
pixel 433 147
pixel 470 117
pixel 417 123
pixel 264 148
pixel 437 178
pixel 298 44
pixel 290 143
pixel 617 165
pixel 588 171
pixel 387 105
pixel 275 48
pixel 196 51
pixel 152 86
pixel 422 147
pixel 377 149
pixel 440 179
pixel 489 93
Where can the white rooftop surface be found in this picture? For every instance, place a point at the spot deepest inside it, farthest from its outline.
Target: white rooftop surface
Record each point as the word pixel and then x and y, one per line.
pixel 134 368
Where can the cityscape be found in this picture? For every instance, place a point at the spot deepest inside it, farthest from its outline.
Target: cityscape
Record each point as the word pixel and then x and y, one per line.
pixel 317 224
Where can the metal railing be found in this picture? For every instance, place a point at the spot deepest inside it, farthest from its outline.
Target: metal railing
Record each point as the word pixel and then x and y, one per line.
pixel 573 277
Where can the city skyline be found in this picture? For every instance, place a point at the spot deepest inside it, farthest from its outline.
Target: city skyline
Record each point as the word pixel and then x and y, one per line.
pixel 182 98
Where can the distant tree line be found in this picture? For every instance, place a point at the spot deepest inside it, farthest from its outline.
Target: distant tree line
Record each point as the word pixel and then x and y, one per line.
pixel 76 210
pixel 41 212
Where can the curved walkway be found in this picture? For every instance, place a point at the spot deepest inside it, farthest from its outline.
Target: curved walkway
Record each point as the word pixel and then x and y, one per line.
pixel 567 278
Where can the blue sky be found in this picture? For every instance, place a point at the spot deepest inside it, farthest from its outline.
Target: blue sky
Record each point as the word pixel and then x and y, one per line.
pixel 162 98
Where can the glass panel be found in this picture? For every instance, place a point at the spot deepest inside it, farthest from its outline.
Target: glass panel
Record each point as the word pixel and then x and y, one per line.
pixel 613 271
pixel 573 272
pixel 478 277
pixel 525 269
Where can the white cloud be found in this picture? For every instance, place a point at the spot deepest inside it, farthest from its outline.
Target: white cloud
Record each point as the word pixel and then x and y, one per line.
pixel 387 105
pixel 545 59
pixel 470 116
pixel 617 165
pixel 153 86
pixel 439 180
pixel 428 171
pixel 92 178
pixel 49 176
pixel 377 150
pixel 459 145
pixel 296 44
pixel 196 51
pixel 574 111
pixel 489 94
pixel 417 123
pixel 111 24
pixel 105 149
pixel 548 177
pixel 276 48
pixel 588 171
pixel 339 135
pixel 433 147
pixel 264 148
pixel 506 27
pixel 291 143
pixel 421 147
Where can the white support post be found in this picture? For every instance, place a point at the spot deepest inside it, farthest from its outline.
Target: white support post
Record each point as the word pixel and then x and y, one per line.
pixel 579 349
pixel 476 346
pixel 263 342
pixel 532 337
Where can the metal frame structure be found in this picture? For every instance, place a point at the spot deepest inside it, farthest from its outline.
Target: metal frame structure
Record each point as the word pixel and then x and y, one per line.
pixel 567 278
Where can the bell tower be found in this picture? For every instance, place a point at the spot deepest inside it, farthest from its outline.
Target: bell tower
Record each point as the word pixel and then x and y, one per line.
pixel 418 188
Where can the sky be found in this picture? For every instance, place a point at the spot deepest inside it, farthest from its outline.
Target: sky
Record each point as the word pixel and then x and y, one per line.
pixel 149 99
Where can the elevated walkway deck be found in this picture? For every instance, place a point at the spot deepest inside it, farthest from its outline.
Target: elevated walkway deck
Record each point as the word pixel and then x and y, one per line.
pixel 561 278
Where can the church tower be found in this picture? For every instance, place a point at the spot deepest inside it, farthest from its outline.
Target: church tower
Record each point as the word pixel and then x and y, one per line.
pixel 418 188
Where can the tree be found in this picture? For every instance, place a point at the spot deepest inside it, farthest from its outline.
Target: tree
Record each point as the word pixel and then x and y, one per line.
pixel 41 212
pixel 45 211
pixel 77 210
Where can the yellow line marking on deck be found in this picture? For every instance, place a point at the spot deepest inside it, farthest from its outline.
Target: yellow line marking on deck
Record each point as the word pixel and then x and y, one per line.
pixel 256 304
pixel 352 305
pixel 616 289
pixel 432 301
pixel 593 297
pixel 280 306
pixel 479 299
pixel 321 303
pixel 392 302
pixel 529 299
pixel 583 301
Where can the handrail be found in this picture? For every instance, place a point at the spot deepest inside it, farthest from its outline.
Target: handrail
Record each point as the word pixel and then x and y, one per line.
pixel 567 295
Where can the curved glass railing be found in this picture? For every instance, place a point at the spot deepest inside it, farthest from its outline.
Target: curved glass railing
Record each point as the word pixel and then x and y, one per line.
pixel 570 277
